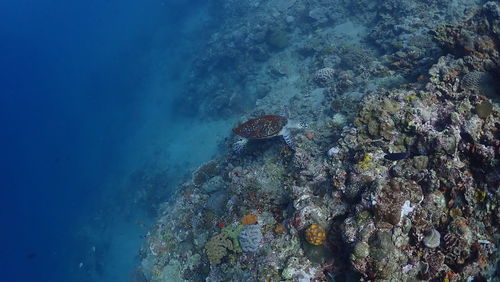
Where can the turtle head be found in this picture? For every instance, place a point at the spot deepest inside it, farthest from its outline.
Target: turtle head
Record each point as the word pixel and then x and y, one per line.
pixel 299 124
pixel 239 145
pixel 302 124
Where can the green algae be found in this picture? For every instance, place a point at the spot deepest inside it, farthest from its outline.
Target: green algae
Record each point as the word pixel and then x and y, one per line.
pixel 232 233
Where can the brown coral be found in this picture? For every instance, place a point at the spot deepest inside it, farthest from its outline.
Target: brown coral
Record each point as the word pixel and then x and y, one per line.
pixel 279 229
pixel 249 219
pixel 217 248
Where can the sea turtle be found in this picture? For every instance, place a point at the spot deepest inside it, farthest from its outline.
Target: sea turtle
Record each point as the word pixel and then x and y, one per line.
pixel 263 127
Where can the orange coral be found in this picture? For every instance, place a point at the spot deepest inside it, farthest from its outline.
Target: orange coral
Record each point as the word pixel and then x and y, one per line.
pixel 279 229
pixel 315 235
pixel 309 135
pixel 249 219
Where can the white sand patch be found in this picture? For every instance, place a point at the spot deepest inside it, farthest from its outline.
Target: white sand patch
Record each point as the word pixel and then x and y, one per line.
pixel 195 142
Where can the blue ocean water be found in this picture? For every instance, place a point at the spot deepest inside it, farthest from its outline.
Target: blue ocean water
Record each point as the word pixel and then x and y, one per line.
pixel 85 91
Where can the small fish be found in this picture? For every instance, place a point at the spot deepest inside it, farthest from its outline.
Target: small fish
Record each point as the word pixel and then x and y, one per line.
pixel 397 156
pixel 31 256
pixel 466 137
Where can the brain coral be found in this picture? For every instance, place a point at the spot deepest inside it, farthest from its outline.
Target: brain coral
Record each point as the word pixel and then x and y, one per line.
pixel 476 80
pixel 250 238
pixel 217 248
pixel 323 76
pixel 315 234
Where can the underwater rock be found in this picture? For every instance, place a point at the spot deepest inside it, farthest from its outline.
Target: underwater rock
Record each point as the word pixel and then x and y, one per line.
pixel 205 172
pixel 472 128
pixel 316 254
pixel 458 241
pixel 217 202
pixel 361 250
pixel 331 61
pixel 434 263
pixel 383 254
pixel 319 14
pixel 381 245
pixel 358 228
pixel 432 239
pixel 435 206
pixel 396 199
pixel 250 238
pixel 213 184
pixel 277 38
pixel 354 56
pixel 298 269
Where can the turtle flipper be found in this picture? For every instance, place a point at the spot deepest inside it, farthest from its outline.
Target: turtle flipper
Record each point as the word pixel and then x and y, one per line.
pixel 239 145
pixel 287 136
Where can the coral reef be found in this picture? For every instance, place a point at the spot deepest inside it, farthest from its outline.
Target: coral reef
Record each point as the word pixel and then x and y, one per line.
pixel 398 171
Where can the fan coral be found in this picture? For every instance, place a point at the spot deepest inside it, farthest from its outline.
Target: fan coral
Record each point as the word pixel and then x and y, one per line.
pixel 250 238
pixel 217 248
pixel 315 235
pixel 249 219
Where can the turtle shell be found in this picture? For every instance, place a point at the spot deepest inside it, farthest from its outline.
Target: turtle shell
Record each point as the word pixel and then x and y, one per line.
pixel 261 127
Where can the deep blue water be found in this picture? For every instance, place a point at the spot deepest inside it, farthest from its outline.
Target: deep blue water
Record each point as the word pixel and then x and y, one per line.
pixel 72 90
